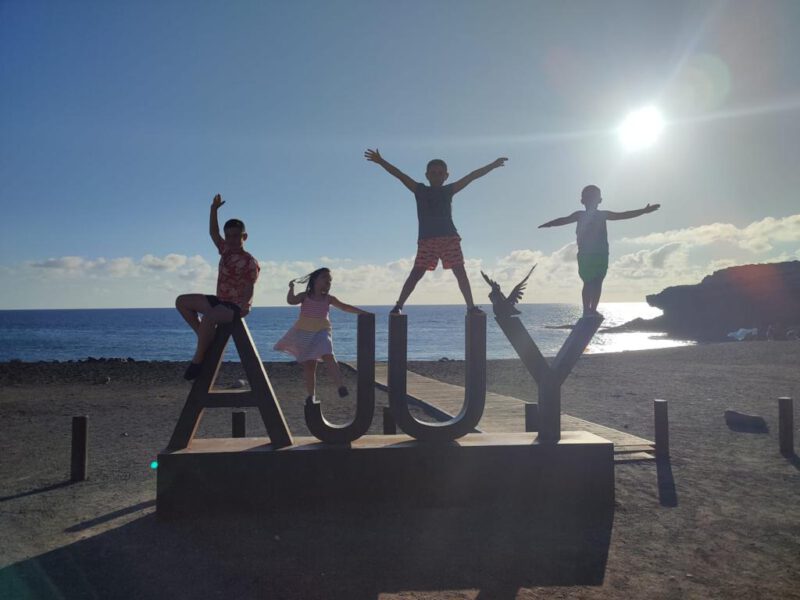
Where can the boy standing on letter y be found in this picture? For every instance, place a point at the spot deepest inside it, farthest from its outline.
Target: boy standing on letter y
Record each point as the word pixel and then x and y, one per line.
pixel 592 237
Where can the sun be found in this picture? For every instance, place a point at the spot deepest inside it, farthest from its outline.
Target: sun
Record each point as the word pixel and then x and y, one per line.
pixel 641 129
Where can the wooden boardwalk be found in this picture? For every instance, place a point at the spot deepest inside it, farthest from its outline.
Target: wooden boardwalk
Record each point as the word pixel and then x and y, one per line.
pixel 505 413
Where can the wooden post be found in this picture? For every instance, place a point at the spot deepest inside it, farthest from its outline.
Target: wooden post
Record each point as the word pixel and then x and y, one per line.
pixel 239 424
pixel 531 416
pixel 80 455
pixel 389 426
pixel 662 428
pixel 786 425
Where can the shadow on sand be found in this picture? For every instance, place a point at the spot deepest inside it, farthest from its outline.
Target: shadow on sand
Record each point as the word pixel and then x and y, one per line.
pixel 314 554
pixel 793 460
pixel 41 490
pixel 667 495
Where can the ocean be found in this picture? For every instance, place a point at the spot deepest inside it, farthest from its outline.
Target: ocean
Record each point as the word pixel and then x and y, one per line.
pixel 434 332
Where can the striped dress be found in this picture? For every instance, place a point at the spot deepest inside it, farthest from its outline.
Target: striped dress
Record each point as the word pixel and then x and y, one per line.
pixel 310 337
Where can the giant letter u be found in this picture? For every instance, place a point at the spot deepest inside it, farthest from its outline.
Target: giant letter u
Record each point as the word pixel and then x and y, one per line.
pixel 475 388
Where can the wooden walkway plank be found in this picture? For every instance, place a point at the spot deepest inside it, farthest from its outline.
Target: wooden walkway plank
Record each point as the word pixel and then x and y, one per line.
pixel 502 413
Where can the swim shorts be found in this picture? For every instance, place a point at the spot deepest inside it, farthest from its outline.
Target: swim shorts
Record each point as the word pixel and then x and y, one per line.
pixel 430 250
pixel 592 266
pixel 214 301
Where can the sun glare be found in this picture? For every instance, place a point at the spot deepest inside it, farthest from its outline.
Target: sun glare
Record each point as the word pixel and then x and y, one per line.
pixel 641 129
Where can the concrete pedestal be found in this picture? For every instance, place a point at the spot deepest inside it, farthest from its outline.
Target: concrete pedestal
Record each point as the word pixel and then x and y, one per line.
pixel 217 476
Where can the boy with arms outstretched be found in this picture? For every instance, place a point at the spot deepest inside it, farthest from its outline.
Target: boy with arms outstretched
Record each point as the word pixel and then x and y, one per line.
pixel 592 238
pixel 438 237
pixel 236 278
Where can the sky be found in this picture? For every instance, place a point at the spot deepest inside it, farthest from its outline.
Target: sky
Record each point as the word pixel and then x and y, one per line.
pixel 119 121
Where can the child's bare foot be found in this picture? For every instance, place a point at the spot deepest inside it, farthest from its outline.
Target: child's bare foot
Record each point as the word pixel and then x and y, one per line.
pixel 398 309
pixel 475 310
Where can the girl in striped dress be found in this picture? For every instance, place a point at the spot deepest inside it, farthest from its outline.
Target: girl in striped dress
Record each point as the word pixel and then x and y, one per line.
pixel 309 339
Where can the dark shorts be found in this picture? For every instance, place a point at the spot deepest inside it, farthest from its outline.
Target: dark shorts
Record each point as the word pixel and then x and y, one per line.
pixel 214 301
pixel 592 266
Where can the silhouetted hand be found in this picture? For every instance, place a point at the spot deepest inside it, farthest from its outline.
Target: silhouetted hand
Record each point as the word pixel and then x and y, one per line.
pixel 217 202
pixel 373 156
pixel 651 208
pixel 500 162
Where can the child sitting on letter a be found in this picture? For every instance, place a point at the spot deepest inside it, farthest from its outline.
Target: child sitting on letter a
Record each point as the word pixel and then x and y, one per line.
pixel 238 272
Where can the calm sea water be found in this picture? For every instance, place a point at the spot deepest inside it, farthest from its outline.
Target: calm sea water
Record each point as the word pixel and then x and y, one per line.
pixel 160 333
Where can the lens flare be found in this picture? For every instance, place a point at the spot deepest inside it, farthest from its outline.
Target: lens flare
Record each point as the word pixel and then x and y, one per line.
pixel 154 464
pixel 641 129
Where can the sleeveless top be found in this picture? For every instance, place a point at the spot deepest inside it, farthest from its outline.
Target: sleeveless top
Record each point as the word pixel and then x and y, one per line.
pixel 591 232
pixel 315 314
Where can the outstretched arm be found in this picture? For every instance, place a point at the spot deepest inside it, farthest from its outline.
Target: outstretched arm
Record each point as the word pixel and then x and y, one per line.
pixel 213 224
pixel 291 297
pixel 346 307
pixel 573 218
pixel 467 179
pixel 630 214
pixel 375 156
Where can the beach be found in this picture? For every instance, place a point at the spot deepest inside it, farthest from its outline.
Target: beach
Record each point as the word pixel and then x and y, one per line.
pixel 720 519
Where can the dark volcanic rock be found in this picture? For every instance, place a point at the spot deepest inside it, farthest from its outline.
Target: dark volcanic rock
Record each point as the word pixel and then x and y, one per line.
pixel 738 421
pixel 749 296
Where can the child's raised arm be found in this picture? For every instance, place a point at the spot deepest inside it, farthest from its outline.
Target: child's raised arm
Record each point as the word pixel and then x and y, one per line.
pixel 291 297
pixel 467 179
pixel 631 214
pixel 375 156
pixel 346 307
pixel 213 224
pixel 573 218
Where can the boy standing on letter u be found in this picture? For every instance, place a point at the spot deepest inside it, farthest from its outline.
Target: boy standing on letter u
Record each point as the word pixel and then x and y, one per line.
pixel 438 237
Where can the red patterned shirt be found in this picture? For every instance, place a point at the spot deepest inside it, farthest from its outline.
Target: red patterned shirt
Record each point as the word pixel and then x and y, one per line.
pixel 237 270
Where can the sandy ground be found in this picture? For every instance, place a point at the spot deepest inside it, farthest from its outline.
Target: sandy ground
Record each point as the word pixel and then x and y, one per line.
pixel 721 519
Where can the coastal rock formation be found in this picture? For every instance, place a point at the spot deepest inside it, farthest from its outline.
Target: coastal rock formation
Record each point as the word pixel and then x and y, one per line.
pixel 764 296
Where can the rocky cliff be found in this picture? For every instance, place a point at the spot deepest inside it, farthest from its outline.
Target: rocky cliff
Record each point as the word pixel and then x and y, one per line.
pixel 748 296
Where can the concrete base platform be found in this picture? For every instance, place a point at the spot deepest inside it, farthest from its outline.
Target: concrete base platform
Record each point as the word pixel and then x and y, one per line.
pixel 217 476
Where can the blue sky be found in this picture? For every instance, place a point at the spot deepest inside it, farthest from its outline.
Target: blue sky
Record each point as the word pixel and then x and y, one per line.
pixel 120 121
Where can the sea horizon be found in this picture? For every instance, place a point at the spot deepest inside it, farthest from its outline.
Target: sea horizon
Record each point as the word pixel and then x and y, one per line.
pixel 434 332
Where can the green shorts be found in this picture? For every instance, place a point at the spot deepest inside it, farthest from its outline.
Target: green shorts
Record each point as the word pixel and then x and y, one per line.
pixel 592 266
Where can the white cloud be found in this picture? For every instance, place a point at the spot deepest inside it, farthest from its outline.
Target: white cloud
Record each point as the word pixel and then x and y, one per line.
pixel 663 259
pixel 758 237
pixel 66 263
pixel 170 262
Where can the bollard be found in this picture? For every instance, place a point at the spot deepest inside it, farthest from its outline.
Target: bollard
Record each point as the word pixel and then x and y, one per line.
pixel 531 416
pixel 662 428
pixel 80 454
pixel 786 426
pixel 239 423
pixel 389 426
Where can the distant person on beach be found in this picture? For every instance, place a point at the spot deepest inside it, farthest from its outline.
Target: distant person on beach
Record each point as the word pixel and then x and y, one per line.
pixel 309 340
pixel 438 237
pixel 236 278
pixel 593 242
